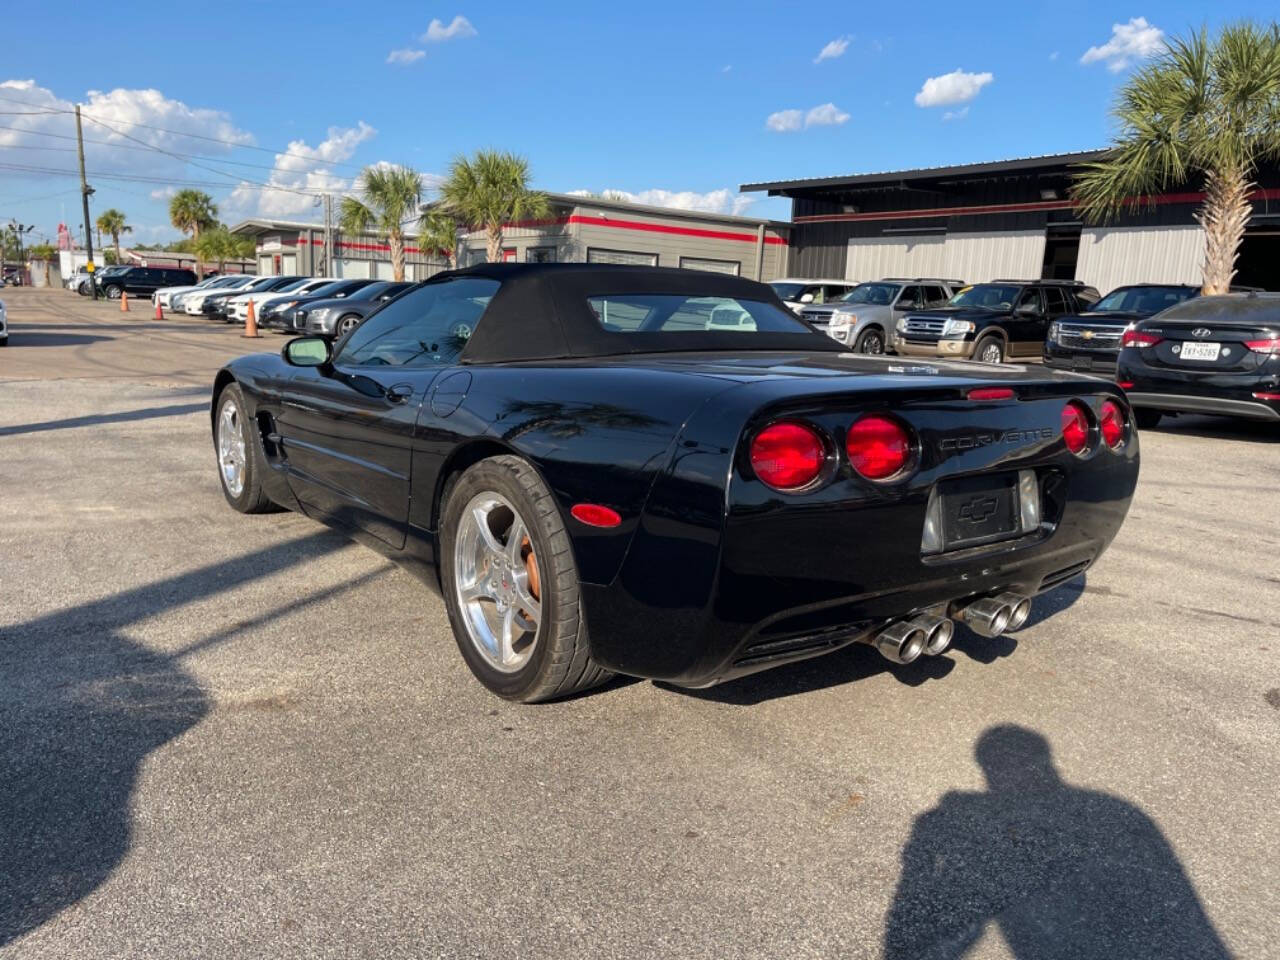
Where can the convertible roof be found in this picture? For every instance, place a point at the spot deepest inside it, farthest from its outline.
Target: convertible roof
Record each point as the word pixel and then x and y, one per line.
pixel 541 312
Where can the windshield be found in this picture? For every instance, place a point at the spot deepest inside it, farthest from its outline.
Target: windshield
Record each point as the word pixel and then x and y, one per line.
pixel 878 293
pixel 993 296
pixel 1143 300
pixel 788 291
pixel 292 286
pixel 375 290
pixel 677 313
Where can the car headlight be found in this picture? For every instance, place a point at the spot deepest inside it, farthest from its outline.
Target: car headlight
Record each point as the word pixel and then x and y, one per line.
pixel 842 321
pixel 284 306
pixel 1053 330
pixel 954 328
pixel 320 314
pixel 901 325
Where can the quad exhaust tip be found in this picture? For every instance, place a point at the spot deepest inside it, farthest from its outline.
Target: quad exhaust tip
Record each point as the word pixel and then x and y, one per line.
pixel 1019 606
pixel 939 632
pixel 901 642
pixel 992 616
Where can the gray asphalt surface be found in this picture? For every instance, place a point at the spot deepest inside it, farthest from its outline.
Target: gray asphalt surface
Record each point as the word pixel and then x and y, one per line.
pixel 228 736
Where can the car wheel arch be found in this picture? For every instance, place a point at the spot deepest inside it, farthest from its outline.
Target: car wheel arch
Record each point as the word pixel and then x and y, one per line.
pixel 468 454
pixel 220 383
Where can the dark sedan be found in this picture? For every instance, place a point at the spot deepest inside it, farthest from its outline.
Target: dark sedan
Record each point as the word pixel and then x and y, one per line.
pixel 216 307
pixel 279 314
pixel 666 473
pixel 333 318
pixel 1217 355
pixel 1090 340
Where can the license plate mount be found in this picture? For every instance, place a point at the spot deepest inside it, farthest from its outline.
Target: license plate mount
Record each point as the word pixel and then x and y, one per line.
pixel 978 510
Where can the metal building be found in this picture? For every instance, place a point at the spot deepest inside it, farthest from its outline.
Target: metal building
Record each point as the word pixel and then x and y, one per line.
pixel 1011 218
pixel 579 230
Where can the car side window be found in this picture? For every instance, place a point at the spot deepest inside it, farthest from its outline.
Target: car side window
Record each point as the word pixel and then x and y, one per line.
pixel 936 296
pixel 911 298
pixel 427 327
pixel 834 292
pixel 1030 298
pixel 1055 302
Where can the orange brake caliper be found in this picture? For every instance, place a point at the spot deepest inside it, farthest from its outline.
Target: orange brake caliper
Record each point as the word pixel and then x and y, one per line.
pixel 531 568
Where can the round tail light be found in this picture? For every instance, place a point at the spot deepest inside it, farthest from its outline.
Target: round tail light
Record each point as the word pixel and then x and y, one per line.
pixel 1111 424
pixel 879 447
pixel 1075 427
pixel 787 456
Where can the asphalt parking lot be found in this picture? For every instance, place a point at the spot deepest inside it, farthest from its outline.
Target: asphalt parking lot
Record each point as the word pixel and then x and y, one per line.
pixel 233 736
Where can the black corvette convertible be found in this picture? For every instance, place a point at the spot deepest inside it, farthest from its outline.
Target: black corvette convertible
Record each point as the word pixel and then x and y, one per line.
pixel 666 473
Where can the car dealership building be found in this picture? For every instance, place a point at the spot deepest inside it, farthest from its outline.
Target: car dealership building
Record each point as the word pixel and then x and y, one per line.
pixel 1008 219
pixel 580 229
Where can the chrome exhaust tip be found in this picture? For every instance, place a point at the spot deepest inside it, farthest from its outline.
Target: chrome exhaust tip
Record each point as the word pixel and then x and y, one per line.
pixel 1021 607
pixel 988 617
pixel 901 642
pixel 938 632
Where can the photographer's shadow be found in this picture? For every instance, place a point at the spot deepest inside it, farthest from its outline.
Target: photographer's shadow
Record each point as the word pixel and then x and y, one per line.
pixel 1061 871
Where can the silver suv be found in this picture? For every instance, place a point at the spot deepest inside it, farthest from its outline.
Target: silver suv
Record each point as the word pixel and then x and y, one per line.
pixel 864 317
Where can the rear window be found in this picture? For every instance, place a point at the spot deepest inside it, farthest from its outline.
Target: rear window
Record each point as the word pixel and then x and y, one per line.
pixel 1143 299
pixel 675 313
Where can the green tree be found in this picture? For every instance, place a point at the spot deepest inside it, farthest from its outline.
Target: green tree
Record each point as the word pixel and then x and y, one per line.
pixel 389 197
pixel 192 211
pixel 488 191
pixel 218 245
pixel 1208 109
pixel 438 231
pixel 112 223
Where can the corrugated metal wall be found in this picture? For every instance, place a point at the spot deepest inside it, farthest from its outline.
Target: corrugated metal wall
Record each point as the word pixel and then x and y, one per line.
pixel 1113 256
pixel 973 257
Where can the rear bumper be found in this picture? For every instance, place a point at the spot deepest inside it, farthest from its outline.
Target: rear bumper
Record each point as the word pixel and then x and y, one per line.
pixel 1252 409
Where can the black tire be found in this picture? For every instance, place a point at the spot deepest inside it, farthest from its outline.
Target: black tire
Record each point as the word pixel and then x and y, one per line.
pixel 985 345
pixel 351 321
pixel 252 497
pixel 1146 419
pixel 111 291
pixel 4 342
pixel 870 341
pixel 560 663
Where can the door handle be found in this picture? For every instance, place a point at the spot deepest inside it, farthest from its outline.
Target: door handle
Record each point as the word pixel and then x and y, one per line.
pixel 399 392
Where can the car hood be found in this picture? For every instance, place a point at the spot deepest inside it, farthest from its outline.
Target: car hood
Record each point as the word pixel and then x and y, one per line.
pixel 861 309
pixel 1117 318
pixel 320 303
pixel 959 313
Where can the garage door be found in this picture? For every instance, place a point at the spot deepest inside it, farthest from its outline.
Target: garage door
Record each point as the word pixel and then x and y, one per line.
pixel 1113 256
pixel 907 255
pixel 349 269
pixel 731 267
pixel 973 257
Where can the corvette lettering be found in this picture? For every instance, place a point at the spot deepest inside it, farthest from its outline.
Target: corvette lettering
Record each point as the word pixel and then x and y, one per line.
pixel 1009 437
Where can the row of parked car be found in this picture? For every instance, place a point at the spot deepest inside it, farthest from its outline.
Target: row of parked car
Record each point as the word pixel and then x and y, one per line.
pixel 1171 349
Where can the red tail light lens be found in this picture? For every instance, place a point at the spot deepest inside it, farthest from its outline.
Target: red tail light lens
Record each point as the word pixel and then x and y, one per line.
pixel 1075 427
pixel 878 447
pixel 787 456
pixel 990 393
pixel 1124 384
pixel 1136 338
pixel 1111 424
pixel 1264 346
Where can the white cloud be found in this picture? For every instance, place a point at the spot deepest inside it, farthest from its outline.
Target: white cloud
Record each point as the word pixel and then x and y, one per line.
pixel 714 201
pixel 438 31
pixel 1054 55
pixel 302 168
pixel 163 193
pixel 789 121
pixel 1135 40
pixel 136 113
pixel 405 57
pixel 834 49
pixel 956 114
pixel 726 68
pixel 954 87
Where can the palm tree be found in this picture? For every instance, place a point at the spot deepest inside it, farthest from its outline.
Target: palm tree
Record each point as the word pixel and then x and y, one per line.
pixel 218 245
pixel 489 191
pixel 192 211
pixel 391 198
pixel 112 223
pixel 1204 108
pixel 438 231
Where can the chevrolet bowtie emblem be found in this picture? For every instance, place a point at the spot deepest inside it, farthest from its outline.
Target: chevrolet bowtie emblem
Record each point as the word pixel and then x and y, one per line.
pixel 1088 334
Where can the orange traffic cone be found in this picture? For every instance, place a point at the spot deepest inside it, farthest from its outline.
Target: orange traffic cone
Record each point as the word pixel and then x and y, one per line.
pixel 124 301
pixel 250 323
pixel 159 311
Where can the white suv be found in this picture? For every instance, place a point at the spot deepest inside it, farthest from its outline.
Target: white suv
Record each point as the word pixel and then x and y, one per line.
pixel 798 293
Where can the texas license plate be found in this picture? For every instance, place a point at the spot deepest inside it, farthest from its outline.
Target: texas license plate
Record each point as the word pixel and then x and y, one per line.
pixel 979 509
pixel 1200 351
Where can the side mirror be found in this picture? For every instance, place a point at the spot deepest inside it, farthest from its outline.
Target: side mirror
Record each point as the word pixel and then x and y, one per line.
pixel 307 352
pixel 806 298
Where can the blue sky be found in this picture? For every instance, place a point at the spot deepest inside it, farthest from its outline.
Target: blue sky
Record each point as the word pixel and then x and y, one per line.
pixel 672 102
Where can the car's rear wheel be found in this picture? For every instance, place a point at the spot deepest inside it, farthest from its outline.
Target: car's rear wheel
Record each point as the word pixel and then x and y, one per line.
pixel 510 584
pixel 869 341
pixel 1146 419
pixel 989 349
pixel 345 325
pixel 240 462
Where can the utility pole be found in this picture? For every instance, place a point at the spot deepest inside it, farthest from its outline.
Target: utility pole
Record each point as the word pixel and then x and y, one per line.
pixel 85 190
pixel 328 235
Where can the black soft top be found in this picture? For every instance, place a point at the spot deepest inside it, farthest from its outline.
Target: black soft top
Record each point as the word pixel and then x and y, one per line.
pixel 541 313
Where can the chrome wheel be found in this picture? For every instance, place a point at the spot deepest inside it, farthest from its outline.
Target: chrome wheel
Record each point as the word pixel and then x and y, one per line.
pixel 991 352
pixel 113 293
pixel 872 343
pixel 231 451
pixel 346 325
pixel 497 583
